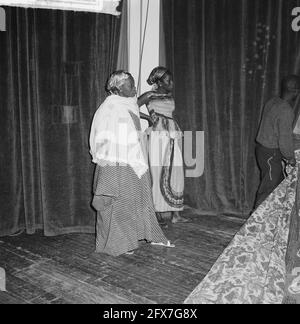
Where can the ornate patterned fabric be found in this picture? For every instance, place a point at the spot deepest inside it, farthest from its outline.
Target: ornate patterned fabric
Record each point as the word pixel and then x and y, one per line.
pixel 165 157
pixel 252 268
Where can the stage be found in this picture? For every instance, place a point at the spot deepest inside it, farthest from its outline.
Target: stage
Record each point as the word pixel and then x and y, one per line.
pixel 65 269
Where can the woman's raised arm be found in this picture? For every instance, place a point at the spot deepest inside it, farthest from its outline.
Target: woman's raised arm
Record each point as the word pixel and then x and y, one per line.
pixel 145 98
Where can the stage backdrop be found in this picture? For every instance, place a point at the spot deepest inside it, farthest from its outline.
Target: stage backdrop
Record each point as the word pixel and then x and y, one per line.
pixel 228 57
pixel 53 68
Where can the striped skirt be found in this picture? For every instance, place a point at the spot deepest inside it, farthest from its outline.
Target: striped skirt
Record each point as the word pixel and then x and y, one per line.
pixel 125 208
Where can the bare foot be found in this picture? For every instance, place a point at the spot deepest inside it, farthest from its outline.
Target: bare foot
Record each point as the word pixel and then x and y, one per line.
pixel 178 219
pixel 161 221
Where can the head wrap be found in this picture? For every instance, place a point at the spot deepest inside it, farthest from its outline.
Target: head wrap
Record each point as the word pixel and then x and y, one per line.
pixel 157 74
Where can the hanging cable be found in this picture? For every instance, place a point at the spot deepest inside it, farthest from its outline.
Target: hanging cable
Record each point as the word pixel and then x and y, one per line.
pixel 143 45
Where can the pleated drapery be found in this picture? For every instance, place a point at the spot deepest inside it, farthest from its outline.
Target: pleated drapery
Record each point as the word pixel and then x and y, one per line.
pixel 228 58
pixel 53 69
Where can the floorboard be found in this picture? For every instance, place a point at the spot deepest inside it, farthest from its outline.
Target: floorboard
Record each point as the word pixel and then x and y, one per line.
pixel 66 270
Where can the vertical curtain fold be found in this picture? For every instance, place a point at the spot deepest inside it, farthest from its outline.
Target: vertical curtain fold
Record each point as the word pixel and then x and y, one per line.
pixel 123 58
pixel 228 58
pixel 53 73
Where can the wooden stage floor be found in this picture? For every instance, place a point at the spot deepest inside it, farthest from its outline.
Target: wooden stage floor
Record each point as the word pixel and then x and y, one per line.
pixel 65 269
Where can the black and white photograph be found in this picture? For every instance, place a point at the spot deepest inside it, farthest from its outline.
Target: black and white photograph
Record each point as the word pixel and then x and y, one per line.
pixel 149 154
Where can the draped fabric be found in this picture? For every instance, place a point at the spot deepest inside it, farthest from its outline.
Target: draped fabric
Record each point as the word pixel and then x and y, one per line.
pixel 252 269
pixel 114 138
pixel 54 66
pixel 228 57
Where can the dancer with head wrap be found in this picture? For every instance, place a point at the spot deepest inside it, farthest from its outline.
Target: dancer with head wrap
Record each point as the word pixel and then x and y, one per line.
pixel 165 156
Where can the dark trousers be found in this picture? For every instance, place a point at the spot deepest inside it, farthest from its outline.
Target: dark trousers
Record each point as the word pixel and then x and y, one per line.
pixel 271 171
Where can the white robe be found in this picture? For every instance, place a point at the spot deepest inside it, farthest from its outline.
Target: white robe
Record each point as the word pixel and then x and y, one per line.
pixel 114 137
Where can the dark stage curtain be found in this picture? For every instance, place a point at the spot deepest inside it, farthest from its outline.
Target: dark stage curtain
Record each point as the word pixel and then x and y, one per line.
pixel 228 57
pixel 53 68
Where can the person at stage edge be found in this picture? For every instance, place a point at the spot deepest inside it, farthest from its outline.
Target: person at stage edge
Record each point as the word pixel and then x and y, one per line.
pixel 275 138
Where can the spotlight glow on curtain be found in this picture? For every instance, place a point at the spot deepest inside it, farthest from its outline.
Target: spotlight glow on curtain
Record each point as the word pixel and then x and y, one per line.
pixel 100 6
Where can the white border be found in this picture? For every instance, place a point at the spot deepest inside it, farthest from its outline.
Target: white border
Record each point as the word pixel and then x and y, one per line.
pixel 99 6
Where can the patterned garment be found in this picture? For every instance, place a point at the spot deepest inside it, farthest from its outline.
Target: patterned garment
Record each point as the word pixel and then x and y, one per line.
pixel 252 268
pixel 165 158
pixel 125 210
